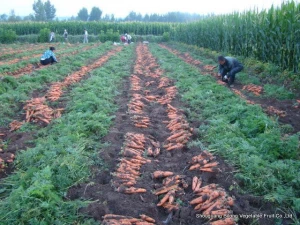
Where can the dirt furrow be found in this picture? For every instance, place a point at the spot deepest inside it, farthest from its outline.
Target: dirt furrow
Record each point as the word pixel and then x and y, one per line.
pixel 151 170
pixel 286 110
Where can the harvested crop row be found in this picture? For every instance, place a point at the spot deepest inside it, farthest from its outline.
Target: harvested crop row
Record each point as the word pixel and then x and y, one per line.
pixel 128 170
pixel 255 89
pixel 8 52
pixel 42 112
pixel 111 219
pixel 37 109
pixel 31 67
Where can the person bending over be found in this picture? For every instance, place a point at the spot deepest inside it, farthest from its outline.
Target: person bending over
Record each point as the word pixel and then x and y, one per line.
pixel 228 68
pixel 48 57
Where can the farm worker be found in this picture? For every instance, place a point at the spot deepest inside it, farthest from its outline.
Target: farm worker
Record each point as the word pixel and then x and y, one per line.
pixel 48 57
pixel 123 38
pixel 228 68
pixel 128 36
pixel 66 35
pixel 52 36
pixel 85 36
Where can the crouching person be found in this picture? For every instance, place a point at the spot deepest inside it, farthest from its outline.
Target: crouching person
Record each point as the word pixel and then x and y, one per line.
pixel 49 57
pixel 228 68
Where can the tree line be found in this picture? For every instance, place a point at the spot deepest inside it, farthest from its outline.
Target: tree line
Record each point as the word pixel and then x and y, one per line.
pixel 46 11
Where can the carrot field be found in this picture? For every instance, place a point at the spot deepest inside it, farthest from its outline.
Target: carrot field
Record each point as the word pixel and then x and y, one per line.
pixel 143 134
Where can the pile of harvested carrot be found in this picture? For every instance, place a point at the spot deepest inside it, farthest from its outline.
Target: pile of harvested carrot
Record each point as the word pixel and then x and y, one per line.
pixel 273 110
pixel 15 125
pixel 36 111
pixel 255 89
pixel 128 170
pixel 136 106
pixel 239 93
pixel 212 201
pixel 164 82
pixel 6 158
pixel 111 219
pixel 135 83
pixel 172 187
pixel 179 127
pixel 186 57
pixel 190 60
pixel 141 121
pixel 169 96
pixel 209 68
pixel 204 162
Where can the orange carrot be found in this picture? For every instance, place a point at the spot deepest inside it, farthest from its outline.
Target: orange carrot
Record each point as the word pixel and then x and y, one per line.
pixel 199 183
pixel 194 167
pixel 210 170
pixel 166 189
pixel 194 182
pixel 147 218
pixel 165 198
pixel 227 221
pixel 230 201
pixel 162 174
pixel 213 164
pixel 199 200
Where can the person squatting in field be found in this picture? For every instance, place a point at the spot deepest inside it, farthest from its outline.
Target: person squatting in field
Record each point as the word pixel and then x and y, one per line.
pixel 48 57
pixel 228 68
pixel 128 37
pixel 123 39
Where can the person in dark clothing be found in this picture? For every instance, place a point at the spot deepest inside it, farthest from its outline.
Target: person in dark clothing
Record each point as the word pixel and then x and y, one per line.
pixel 228 68
pixel 48 57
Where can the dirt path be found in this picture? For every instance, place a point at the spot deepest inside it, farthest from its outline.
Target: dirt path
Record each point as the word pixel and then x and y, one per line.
pixel 287 111
pixel 39 110
pixel 148 119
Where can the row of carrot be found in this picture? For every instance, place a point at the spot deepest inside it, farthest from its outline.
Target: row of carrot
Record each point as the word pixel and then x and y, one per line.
pixel 36 108
pixel 255 89
pixel 128 170
pixel 30 67
pixel 112 219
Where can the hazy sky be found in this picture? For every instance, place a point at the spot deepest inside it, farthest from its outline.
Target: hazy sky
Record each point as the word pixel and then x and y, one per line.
pixel 121 8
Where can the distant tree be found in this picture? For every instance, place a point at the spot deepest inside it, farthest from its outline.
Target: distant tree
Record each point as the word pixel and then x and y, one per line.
pixel 146 18
pixel 112 18
pixel 83 14
pixel 72 18
pixel 3 17
pixel 12 17
pixel 39 11
pixel 49 10
pixel 30 17
pixel 96 14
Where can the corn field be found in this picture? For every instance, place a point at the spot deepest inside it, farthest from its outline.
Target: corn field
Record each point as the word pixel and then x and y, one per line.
pixel 77 27
pixel 271 36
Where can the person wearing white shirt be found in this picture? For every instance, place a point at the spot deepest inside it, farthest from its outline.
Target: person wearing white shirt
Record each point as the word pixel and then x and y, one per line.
pixel 85 37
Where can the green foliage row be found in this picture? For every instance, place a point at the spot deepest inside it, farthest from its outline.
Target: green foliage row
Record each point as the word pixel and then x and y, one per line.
pixel 77 27
pixel 63 152
pixel 7 36
pixel 14 90
pixel 266 159
pixel 270 36
pixel 255 72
